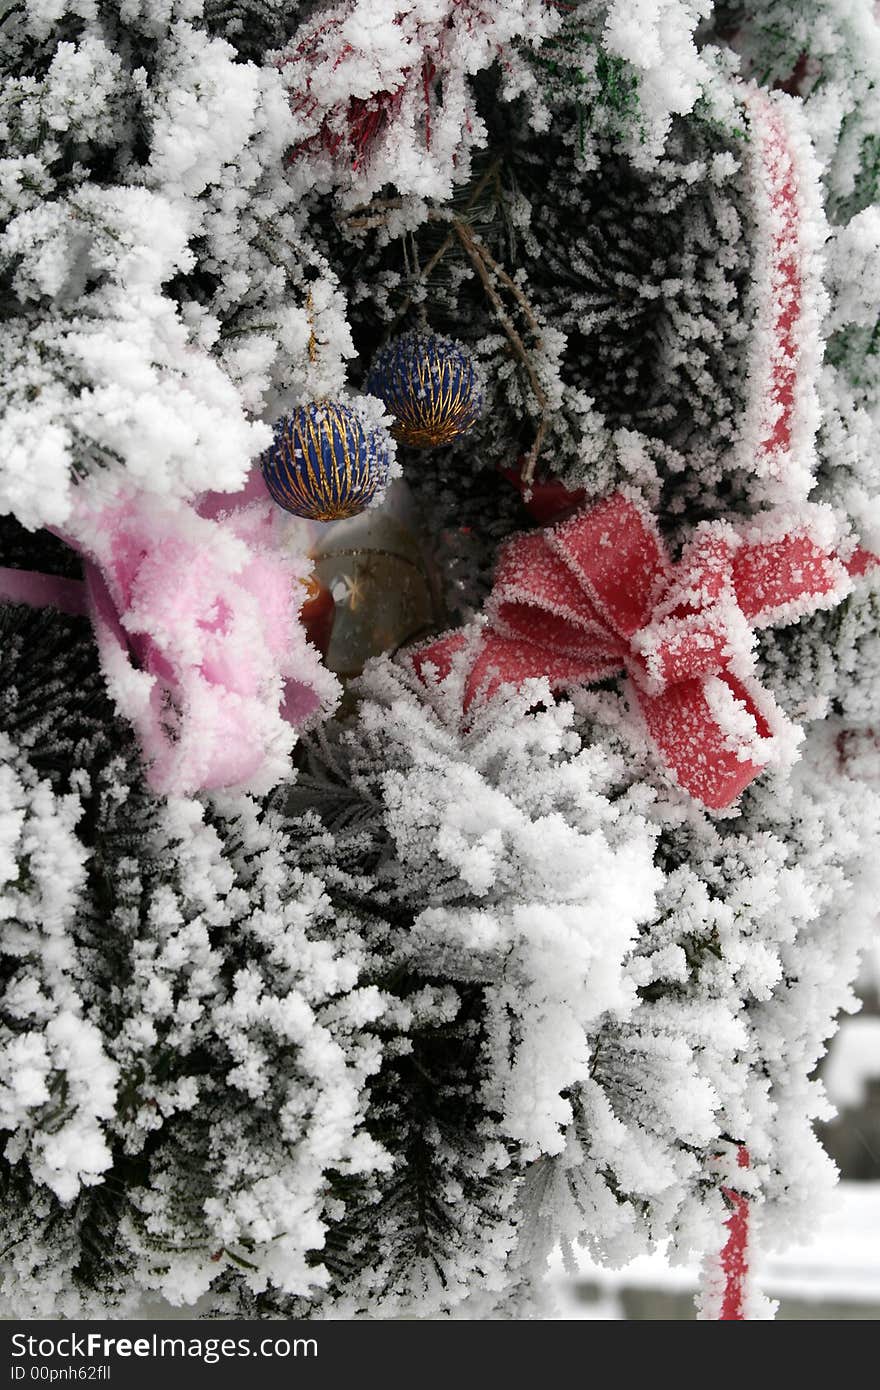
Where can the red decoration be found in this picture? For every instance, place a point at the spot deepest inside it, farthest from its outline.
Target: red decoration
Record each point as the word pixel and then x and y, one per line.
pixel 545 499
pixel 364 119
pixel 793 84
pixel 785 277
pixel 735 1255
pixel 317 613
pixel 599 594
pixel 350 129
pixel 858 753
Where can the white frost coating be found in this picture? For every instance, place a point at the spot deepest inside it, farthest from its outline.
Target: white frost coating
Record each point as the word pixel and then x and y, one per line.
pixel 656 36
pixel 290 1032
pixel 168 410
pixel 57 1083
pixel 556 898
pixel 196 131
pixel 854 271
pixel 106 369
pixel 784 899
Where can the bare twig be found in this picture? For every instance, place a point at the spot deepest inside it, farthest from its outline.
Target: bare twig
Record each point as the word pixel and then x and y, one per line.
pixel 514 288
pixel 313 341
pixel 447 245
pixel 485 267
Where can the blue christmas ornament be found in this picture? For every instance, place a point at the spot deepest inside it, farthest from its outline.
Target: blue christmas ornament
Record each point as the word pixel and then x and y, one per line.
pixel 324 463
pixel 429 385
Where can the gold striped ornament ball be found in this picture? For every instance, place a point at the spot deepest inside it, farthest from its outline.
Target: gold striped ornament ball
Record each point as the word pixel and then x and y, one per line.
pixel 429 384
pixel 324 462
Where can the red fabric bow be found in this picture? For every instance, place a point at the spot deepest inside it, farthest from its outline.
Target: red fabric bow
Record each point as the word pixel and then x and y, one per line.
pixel 599 594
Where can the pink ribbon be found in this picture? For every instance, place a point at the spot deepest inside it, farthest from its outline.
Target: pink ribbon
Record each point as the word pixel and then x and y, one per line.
pixel 195 611
pixel 43 591
pixel 599 594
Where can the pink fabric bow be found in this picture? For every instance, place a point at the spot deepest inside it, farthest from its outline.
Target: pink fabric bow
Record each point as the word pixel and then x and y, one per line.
pixel 195 612
pixel 599 594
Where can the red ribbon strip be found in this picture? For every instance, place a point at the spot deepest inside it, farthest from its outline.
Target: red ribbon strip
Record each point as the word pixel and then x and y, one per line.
pixel 785 289
pixel 735 1255
pixel 599 594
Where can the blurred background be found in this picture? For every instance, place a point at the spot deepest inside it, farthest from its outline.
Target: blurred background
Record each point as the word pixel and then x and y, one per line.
pixel 837 1276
